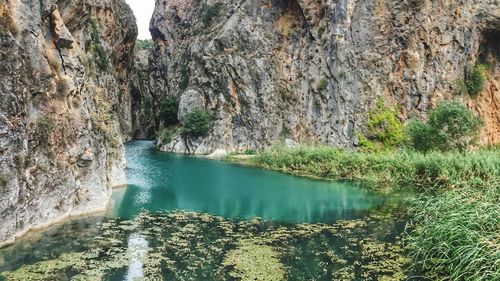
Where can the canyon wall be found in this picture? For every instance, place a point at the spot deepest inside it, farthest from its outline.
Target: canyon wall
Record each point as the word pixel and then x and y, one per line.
pixel 310 70
pixel 64 107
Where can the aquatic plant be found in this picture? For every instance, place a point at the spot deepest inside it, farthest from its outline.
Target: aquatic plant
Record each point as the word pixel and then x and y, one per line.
pixel 193 246
pixel 252 260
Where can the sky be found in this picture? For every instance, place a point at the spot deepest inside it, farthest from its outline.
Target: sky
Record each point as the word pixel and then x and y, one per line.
pixel 143 10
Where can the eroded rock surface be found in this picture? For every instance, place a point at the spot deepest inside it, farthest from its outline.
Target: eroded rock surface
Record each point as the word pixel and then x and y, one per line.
pixel 310 70
pixel 64 105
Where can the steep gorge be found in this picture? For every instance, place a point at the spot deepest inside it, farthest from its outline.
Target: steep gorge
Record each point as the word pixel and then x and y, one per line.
pixel 64 107
pixel 73 90
pixel 310 70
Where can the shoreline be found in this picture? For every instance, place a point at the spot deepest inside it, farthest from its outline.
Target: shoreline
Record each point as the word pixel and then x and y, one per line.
pixel 69 216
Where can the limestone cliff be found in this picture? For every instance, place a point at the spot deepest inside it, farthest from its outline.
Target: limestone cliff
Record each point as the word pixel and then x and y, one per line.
pixel 64 105
pixel 310 70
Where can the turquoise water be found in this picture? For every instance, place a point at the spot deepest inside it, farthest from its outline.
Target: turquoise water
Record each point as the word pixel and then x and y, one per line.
pixel 189 218
pixel 161 181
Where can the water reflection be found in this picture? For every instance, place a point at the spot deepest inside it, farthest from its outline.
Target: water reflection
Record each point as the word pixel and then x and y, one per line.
pixel 137 250
pixel 162 181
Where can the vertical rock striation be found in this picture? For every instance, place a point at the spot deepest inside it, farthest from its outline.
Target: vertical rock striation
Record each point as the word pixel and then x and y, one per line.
pixel 310 70
pixel 64 107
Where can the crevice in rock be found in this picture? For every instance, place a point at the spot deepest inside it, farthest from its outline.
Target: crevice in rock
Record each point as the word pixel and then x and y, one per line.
pixel 62 61
pixel 488 50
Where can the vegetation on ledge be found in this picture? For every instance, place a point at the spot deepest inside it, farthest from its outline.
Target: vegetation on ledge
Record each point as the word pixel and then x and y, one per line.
pixel 454 224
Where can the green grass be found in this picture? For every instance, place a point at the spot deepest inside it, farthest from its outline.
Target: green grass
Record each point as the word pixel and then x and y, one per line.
pixel 456 235
pixel 429 172
pixel 454 224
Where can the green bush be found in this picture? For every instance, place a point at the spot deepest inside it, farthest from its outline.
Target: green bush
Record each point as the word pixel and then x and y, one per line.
pixel 421 136
pixel 321 31
pixel 210 12
pixel 250 152
pixel 184 71
pixel 169 109
pixel 165 135
pixel 323 84
pixel 384 129
pixel 198 123
pixel 451 126
pixel 459 87
pixel 476 78
pixel 143 44
pixel 101 57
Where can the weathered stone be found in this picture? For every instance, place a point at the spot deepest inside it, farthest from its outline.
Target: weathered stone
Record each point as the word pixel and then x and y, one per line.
pixel 63 37
pixel 62 111
pixel 311 70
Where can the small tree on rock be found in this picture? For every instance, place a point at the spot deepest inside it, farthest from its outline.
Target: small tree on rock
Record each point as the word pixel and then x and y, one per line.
pixel 198 123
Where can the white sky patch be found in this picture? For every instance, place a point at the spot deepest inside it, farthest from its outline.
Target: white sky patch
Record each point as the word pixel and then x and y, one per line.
pixel 143 10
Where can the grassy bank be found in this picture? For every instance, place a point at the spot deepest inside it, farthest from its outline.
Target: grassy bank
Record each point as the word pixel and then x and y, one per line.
pixel 404 169
pixel 455 221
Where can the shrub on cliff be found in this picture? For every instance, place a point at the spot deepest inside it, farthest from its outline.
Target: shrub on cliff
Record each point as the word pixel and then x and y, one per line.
pixel 198 123
pixel 165 135
pixel 143 44
pixel 169 109
pixel 322 84
pixel 384 129
pixel 451 126
pixel 476 78
pixel 43 127
pixel 209 12
pixel 96 47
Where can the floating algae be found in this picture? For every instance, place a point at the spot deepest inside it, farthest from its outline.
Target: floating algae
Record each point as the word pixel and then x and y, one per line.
pixel 193 246
pixel 252 260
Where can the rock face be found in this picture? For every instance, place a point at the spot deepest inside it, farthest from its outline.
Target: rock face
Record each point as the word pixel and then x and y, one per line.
pixel 310 70
pixel 146 97
pixel 64 105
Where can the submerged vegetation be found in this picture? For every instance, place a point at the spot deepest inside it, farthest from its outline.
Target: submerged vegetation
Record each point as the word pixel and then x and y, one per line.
pixel 193 246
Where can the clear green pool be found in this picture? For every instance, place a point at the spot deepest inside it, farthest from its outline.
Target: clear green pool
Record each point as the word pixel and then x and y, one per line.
pixel 188 218
pixel 161 181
